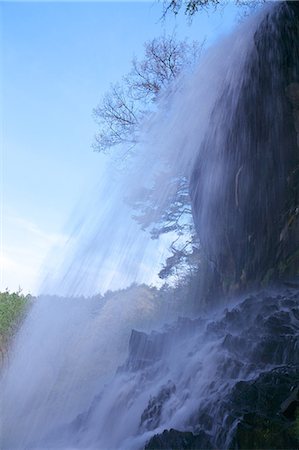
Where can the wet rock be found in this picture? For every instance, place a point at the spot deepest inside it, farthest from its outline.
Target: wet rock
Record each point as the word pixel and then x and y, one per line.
pixel 247 224
pixel 144 349
pixel 291 404
pixel 258 367
pixel 182 440
pixel 261 423
pixel 258 432
pixel 150 418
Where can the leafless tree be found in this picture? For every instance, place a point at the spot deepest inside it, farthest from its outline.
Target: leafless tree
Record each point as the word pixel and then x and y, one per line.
pixel 124 106
pixel 191 7
pixel 119 116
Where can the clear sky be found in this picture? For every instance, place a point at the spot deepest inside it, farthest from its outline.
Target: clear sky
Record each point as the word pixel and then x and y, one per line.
pixel 57 60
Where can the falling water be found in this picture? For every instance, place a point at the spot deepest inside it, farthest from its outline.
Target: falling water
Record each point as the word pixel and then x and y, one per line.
pixel 114 371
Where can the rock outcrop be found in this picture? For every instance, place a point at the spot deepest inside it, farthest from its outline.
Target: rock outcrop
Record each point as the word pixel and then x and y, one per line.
pixel 245 182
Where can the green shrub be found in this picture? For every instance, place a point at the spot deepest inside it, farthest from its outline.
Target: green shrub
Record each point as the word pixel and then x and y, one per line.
pixel 13 307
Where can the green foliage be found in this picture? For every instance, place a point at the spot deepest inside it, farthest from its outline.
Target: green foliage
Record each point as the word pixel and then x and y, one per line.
pixel 13 307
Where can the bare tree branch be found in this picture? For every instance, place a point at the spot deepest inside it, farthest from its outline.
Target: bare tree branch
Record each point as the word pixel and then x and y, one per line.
pixel 191 7
pixel 124 106
pixel 119 116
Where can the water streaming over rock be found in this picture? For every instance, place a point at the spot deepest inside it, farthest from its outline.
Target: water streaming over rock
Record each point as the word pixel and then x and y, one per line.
pixel 141 367
pixel 245 183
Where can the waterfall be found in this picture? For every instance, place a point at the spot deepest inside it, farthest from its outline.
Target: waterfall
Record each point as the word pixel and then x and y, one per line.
pixel 245 181
pixel 144 366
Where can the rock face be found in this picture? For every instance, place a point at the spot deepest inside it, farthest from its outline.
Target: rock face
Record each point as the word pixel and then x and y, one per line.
pixel 245 183
pixel 256 401
pixel 289 406
pixel 227 380
pixel 261 425
pixel 151 416
pixel 183 440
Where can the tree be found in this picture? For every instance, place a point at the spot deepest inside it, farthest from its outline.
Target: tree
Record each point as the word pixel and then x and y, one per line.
pixel 119 116
pixel 191 7
pixel 126 104
pixel 175 219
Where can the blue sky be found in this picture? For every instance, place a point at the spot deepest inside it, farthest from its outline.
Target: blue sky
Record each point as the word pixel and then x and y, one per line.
pixel 57 60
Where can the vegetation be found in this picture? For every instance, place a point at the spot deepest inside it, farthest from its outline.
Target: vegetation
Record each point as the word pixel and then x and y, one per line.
pixel 191 7
pixel 122 109
pixel 119 116
pixel 13 307
pixel 244 255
